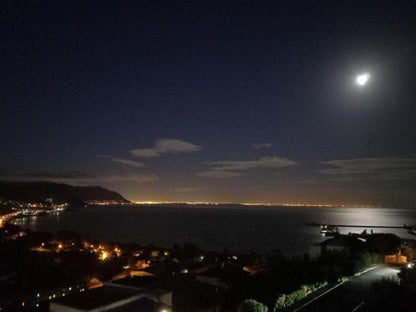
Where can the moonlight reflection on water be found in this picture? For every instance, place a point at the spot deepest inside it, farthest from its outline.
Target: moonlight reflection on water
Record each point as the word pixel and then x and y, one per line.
pixel 242 229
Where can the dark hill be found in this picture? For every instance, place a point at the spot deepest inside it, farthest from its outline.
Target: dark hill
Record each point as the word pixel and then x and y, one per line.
pixel 39 191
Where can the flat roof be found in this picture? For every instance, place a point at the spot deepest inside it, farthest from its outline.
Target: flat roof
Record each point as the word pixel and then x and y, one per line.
pixel 144 304
pixel 187 293
pixel 97 297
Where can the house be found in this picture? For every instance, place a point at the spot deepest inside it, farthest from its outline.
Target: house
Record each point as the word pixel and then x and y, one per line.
pixel 395 258
pixel 114 298
pixel 222 275
pixel 188 294
pixel 340 243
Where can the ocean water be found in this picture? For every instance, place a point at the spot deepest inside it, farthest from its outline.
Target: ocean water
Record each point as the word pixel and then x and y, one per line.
pixel 237 228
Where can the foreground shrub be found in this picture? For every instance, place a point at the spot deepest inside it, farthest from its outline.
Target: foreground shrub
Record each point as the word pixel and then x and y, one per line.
pixel 251 305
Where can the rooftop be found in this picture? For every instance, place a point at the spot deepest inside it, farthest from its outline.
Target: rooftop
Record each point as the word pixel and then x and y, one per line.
pixel 188 294
pixel 98 297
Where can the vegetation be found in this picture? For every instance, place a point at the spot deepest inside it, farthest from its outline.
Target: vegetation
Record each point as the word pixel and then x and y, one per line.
pixel 286 300
pixel 383 243
pixel 251 305
pixel 409 253
pixel 286 281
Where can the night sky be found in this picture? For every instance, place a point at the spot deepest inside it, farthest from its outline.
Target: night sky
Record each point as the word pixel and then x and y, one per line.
pixel 225 101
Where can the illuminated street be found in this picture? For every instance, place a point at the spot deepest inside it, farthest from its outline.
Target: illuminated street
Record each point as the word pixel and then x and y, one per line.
pixel 350 295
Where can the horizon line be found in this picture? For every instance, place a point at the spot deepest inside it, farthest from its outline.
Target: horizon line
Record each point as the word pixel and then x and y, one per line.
pixel 151 202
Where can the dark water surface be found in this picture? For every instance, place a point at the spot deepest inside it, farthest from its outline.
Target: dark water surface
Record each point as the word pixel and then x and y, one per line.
pixel 240 229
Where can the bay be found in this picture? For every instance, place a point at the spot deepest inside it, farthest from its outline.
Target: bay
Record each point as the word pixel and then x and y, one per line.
pixel 214 228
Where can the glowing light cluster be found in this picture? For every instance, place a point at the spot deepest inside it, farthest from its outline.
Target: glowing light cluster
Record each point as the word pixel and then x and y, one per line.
pixel 255 204
pixel 103 256
pixel 362 79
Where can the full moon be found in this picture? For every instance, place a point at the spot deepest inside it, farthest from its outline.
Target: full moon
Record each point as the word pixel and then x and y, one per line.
pixel 362 79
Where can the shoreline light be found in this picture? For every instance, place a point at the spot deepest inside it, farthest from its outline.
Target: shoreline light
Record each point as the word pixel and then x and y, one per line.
pixel 301 204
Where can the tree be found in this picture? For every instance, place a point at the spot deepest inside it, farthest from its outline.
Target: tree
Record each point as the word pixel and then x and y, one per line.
pixel 251 305
pixel 298 294
pixel 280 303
pixel 409 252
pixel 383 243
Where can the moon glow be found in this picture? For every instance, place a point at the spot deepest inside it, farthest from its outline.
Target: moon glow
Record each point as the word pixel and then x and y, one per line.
pixel 362 79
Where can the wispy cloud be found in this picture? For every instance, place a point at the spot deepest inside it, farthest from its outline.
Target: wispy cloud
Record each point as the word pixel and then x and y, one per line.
pixel 165 146
pixel 136 177
pixel 370 169
pixel 80 178
pixel 226 169
pixel 145 152
pixel 188 189
pixel 263 162
pixel 44 175
pixel 261 145
pixel 129 163
pixel 213 174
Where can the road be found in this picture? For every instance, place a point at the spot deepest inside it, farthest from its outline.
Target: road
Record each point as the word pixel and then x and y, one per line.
pixel 350 296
